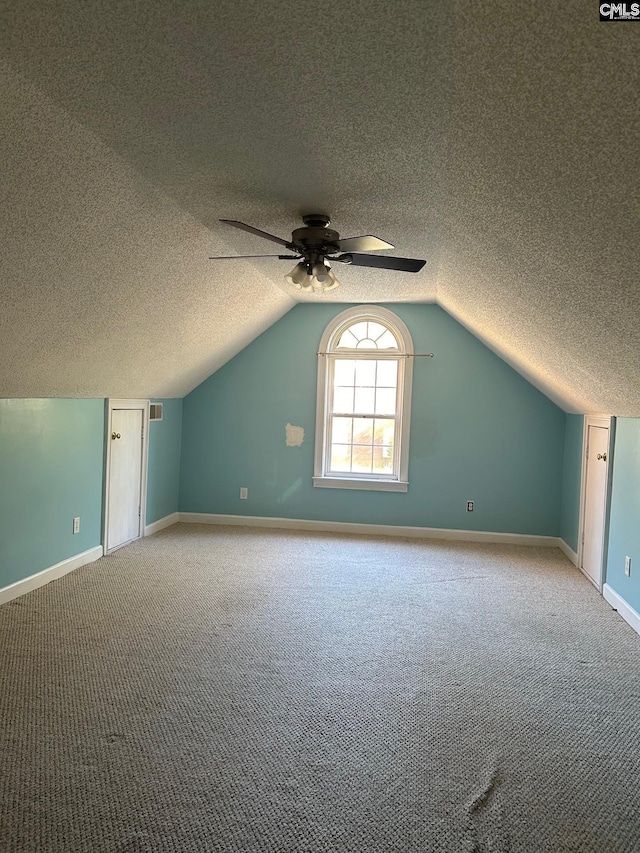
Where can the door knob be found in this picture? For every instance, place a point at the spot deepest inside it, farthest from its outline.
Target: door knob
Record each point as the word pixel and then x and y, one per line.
pixel 602 456
pixel 115 435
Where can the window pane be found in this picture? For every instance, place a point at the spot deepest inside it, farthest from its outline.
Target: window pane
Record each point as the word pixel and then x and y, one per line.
pixel 344 369
pixel 383 431
pixel 388 373
pixel 347 340
pixel 341 457
pixel 362 431
pixel 365 372
pixel 382 459
pixel 362 459
pixel 342 430
pixel 343 400
pixel 375 330
pixel 387 341
pixel 359 330
pixel 364 401
pixel 360 393
pixel 385 401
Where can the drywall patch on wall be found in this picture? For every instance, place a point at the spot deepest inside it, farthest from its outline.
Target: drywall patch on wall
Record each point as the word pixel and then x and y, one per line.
pixel 294 435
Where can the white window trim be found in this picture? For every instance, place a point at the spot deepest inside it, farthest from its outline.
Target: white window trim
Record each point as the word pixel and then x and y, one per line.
pixel 331 333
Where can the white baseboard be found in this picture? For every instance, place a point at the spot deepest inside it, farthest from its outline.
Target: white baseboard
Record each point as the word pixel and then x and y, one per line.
pixel 625 610
pixel 369 529
pixel 567 551
pixel 18 588
pixel 161 523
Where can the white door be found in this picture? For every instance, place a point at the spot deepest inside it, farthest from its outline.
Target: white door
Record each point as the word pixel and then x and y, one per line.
pixel 597 447
pixel 124 511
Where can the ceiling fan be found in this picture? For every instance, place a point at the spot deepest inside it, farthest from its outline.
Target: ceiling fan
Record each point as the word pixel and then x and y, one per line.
pixel 314 245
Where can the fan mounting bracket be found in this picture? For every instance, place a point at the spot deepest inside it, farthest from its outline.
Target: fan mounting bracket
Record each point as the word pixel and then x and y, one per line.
pixel 316 220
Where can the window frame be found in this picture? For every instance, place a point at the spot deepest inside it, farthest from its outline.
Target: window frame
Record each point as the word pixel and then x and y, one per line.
pixel 327 356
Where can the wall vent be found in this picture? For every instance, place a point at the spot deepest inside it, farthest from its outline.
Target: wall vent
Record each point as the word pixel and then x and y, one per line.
pixel 155 411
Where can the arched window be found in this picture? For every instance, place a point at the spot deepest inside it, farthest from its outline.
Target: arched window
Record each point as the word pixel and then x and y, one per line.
pixel 364 399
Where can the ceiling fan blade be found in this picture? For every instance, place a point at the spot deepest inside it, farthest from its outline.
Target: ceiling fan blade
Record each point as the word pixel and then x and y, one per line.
pixel 240 257
pixel 252 230
pixel 366 243
pixel 383 262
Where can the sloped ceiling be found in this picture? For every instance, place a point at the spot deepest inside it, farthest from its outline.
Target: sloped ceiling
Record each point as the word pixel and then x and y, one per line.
pixel 498 140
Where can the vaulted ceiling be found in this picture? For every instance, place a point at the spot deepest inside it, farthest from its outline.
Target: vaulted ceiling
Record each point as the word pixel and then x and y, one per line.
pixel 499 140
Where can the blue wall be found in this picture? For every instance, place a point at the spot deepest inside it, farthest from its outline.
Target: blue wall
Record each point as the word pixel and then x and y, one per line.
pixel 165 439
pixel 624 524
pixel 51 470
pixel 479 431
pixel 571 479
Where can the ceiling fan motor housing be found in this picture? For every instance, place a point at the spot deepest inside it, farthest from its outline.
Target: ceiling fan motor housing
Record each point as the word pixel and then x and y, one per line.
pixel 316 239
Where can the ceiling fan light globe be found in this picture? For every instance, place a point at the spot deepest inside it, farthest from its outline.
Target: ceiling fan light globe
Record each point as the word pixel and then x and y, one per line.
pixel 321 273
pixel 332 283
pixel 297 276
pixel 329 283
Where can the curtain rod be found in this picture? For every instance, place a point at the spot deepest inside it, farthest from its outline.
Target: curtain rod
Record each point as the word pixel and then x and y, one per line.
pixel 387 352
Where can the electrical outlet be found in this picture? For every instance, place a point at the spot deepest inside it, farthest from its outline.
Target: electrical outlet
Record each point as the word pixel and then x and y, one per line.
pixel 469 506
pixel 627 566
pixel 244 493
pixel 76 524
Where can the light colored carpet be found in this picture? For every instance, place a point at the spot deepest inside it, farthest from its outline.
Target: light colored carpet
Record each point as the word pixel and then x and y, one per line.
pixel 227 689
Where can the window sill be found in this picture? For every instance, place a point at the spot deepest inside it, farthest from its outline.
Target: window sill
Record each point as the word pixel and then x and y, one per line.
pixel 367 485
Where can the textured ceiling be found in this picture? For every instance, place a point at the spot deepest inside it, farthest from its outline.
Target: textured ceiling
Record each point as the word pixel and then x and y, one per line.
pixel 498 140
pixel 542 257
